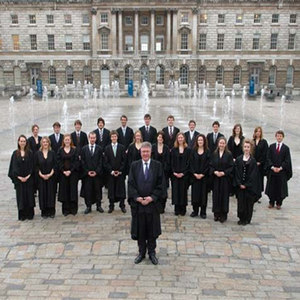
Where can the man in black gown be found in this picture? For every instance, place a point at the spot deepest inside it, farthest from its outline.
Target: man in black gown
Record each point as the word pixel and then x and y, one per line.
pixel 125 133
pixel 92 169
pixel 213 137
pixel 170 132
pixel 145 190
pixel 79 137
pixel 190 136
pixel 102 134
pixel 56 138
pixel 279 168
pixel 149 133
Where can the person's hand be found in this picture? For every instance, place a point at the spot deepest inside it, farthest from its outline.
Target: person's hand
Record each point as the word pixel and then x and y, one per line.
pixel 242 187
pixel 258 163
pixel 147 200
pixel 116 173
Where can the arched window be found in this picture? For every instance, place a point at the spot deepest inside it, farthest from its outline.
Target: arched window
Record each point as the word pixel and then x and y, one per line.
pixel 17 76
pixel 52 75
pixel 184 74
pixel 272 75
pixel 201 74
pixel 144 74
pixel 290 75
pixel 160 74
pixel 128 74
pixel 69 75
pixel 105 75
pixel 87 74
pixel 237 75
pixel 219 74
pixel 1 77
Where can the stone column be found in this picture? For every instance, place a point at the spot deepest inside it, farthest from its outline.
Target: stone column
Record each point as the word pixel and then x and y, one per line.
pixel 94 32
pixel 175 31
pixel 195 31
pixel 168 32
pixel 136 32
pixel 114 32
pixel 120 33
pixel 152 31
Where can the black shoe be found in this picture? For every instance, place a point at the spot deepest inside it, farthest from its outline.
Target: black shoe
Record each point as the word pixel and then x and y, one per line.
pixel 100 209
pixel 222 220
pixel 183 213
pixel 110 210
pixel 139 258
pixel 176 213
pixel 123 209
pixel 193 214
pixel 216 219
pixel 44 217
pixel 52 216
pixel 153 259
pixel 87 210
pixel 203 216
pixel 65 214
pixel 240 222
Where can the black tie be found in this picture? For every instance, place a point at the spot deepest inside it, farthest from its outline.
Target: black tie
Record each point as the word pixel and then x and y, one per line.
pixel 146 171
pixel 92 150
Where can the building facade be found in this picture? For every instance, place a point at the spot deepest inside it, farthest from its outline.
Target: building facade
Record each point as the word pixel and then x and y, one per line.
pixel 224 41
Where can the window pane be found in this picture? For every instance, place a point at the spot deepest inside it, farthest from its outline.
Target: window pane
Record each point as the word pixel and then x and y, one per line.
pixel 219 75
pixel 275 18
pixel 68 19
pixel 221 18
pixel 14 19
pixel 159 46
pixel 237 75
pixel 274 37
pixel 203 18
pixel 160 75
pixel 238 42
pixel 220 41
pixel 85 19
pixel 69 75
pixel 86 42
pixel 184 41
pixel 33 42
pixel 290 75
pixel 50 19
pixel 291 42
pixel 16 43
pixel 239 18
pixel 257 18
pixel 202 41
pixel 52 75
pixel 184 74
pixel 51 45
pixel 293 18
pixel 68 39
pixel 32 19
pixel 201 74
pixel 104 18
pixel 104 41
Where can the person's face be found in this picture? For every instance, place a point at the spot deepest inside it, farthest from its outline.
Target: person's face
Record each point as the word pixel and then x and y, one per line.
pixel 222 145
pixel 200 141
pixel 170 121
pixel 114 138
pixel 258 133
pixel 145 153
pixel 180 139
pixel 92 139
pixel 279 137
pixel 138 137
pixel 192 126
pixel 22 142
pixel 35 130
pixel 160 139
pixel 77 127
pixel 123 121
pixel 45 144
pixel 147 121
pixel 237 130
pixel 56 129
pixel 67 141
pixel 215 128
pixel 246 148
pixel 100 124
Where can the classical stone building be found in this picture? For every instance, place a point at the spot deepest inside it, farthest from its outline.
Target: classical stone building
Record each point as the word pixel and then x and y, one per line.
pixel 224 41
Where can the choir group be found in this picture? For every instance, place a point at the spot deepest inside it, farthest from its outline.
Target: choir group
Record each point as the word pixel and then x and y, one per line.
pixel 50 166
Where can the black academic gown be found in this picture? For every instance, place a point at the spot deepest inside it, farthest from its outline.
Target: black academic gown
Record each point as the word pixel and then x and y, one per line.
pixel 105 138
pixel 56 145
pixel 199 164
pixel 83 140
pixel 191 142
pixel 126 139
pixel 180 163
pixel 221 185
pixel 34 147
pixel 236 150
pixel 277 187
pixel 133 154
pixel 149 136
pixel 246 173
pixel 260 155
pixel 170 140
pixel 210 141
pixel 153 187
pixel 46 188
pixel 68 186
pixel 23 166
pixel 116 185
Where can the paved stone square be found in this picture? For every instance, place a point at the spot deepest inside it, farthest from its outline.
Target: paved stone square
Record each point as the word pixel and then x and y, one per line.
pixel 91 256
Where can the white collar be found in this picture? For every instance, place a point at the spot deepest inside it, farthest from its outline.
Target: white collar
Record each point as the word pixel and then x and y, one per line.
pixel 148 162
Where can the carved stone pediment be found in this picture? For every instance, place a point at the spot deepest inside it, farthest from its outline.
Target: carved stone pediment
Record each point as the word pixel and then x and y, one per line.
pixel 103 28
pixel 184 28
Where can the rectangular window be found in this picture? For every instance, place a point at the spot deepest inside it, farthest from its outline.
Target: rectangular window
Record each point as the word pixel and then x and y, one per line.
pixel 203 18
pixel 239 19
pixel 220 41
pixel 85 19
pixel 185 17
pixel 275 18
pixel 128 20
pixel 51 44
pixel 16 42
pixel 32 19
pixel 68 19
pixel 144 20
pixel 104 18
pixel 257 18
pixel 274 38
pixel 33 42
pixel 128 43
pixel 68 41
pixel 159 20
pixel 159 44
pixel 144 42
pixel 50 19
pixel 238 42
pixel 291 43
pixel 14 19
pixel 104 41
pixel 202 41
pixel 86 42
pixel 221 18
pixel 255 44
pixel 184 41
pixel 293 18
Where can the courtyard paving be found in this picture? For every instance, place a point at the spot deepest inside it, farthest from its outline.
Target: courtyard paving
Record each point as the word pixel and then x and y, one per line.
pixel 91 256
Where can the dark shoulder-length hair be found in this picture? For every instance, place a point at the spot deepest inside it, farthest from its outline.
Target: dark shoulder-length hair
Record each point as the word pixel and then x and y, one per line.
pixel 241 131
pixel 162 135
pixel 226 147
pixel 261 132
pixel 26 148
pixel 205 146
pixel 176 144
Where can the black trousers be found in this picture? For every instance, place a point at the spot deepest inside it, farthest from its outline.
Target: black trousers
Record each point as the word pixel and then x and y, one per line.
pixel 180 209
pixel 26 214
pixel 112 203
pixel 146 240
pixel 69 208
pixel 92 191
pixel 196 209
pixel 49 211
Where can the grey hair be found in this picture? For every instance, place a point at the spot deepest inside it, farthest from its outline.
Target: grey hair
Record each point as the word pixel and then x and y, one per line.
pixel 146 145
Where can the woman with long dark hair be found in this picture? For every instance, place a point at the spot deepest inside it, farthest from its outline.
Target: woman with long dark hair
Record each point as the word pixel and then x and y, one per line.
pixel 235 142
pixel 199 169
pixel 68 165
pixel 221 167
pixel 21 173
